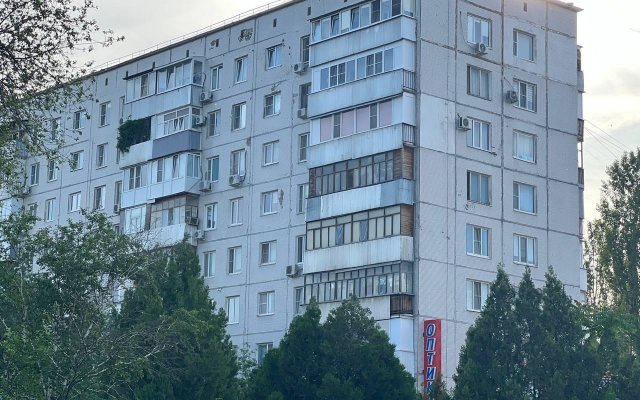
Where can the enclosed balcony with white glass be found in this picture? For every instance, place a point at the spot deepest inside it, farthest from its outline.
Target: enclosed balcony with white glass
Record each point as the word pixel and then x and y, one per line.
pixel 178 131
pixel 379 73
pixel 355 132
pixel 165 87
pixel 163 177
pixel 358 28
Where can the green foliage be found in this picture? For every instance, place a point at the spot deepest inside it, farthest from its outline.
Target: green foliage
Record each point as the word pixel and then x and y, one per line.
pixel 132 132
pixel 40 77
pixel 438 390
pixel 198 360
pixel 347 357
pixel 58 337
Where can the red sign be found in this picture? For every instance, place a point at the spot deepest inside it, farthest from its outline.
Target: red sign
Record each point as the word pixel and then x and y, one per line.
pixel 432 351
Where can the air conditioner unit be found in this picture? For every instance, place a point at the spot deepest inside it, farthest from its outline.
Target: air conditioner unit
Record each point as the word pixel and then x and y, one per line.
pixel 463 124
pixel 193 221
pixel 206 97
pixel 205 186
pixel 199 235
pixel 293 270
pixel 512 96
pixel 199 121
pixel 236 180
pixel 302 113
pixel 116 208
pixel 481 48
pixel 300 68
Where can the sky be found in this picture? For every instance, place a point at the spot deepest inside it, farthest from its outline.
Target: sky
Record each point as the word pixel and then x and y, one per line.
pixel 608 30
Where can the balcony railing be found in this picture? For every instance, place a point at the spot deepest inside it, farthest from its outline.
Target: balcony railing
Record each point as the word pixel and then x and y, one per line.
pixel 409 80
pixel 401 304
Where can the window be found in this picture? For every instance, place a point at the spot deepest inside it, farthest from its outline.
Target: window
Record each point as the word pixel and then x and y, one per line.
pixel 117 195
pixel 79 119
pixel 359 227
pixel 478 241
pixel 216 73
pixel 209 263
pixel 55 129
pixel 266 303
pixel 298 300
pixel 304 95
pixel 77 160
pixel 99 196
pixel 178 121
pixel 175 167
pixel 235 260
pixel 523 45
pixel 479 136
pixel 304 49
pixel 49 206
pixel 101 155
pixel 138 87
pixel 214 123
pixel 357 120
pixel 34 174
pixel 303 144
pixel 241 70
pixel 74 202
pixel 303 193
pixel 135 177
pixel 272 104
pixel 274 56
pixel 32 209
pixel 105 113
pixel 300 246
pixel 478 82
pixel 268 253
pixel 193 165
pixel 478 188
pixel 477 293
pixel 233 309
pixel 478 30
pixel 213 169
pixel 269 202
pixel 52 171
pixel 524 198
pixel 263 349
pixel 134 219
pixel 238 161
pixel 270 153
pixel 211 214
pixel 524 146
pixel 527 95
pixel 524 250
pixel 236 216
pixel 238 116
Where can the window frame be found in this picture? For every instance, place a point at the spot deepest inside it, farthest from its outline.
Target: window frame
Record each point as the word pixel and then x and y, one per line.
pixel 273 56
pixel 78 164
pixel 272 209
pixel 302 197
pixel 52 171
pixel 239 114
pixel 271 248
pixel 471 33
pixel 272 104
pixel 209 264
pixel 240 70
pixel 517 195
pixel 517 255
pixel 481 73
pixel 214 123
pixel 234 262
pixel 481 179
pixel 235 207
pixel 516 47
pixel 303 149
pixel 101 155
pixel 215 83
pixel 484 287
pixel 271 153
pixel 34 174
pixel 73 204
pixel 471 135
pixel 480 229
pixel 209 171
pixel 517 83
pixel 268 301
pixel 99 197
pixel 49 209
pixel 211 209
pixel 516 135
pixel 105 113
pixel 232 318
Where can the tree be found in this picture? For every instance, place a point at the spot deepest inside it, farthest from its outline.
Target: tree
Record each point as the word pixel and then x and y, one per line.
pixel 438 390
pixel 347 357
pixel 488 361
pixel 198 361
pixel 38 74
pixel 613 253
pixel 58 336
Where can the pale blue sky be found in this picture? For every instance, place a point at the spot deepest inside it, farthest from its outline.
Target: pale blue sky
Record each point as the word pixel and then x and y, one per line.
pixel 608 30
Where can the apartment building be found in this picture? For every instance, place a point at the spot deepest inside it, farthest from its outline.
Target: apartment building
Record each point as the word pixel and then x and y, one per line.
pixel 395 150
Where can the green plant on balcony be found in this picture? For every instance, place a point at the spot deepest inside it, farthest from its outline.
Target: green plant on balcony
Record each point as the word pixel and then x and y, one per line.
pixel 132 132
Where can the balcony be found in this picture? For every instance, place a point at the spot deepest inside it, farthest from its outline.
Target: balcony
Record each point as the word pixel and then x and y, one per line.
pixel 382 86
pixel 388 31
pixel 188 140
pixel 167 236
pixel 395 248
pixel 137 154
pixel 581 81
pixel 361 145
pixel 174 186
pixel 401 304
pixel 399 191
pixel 169 100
